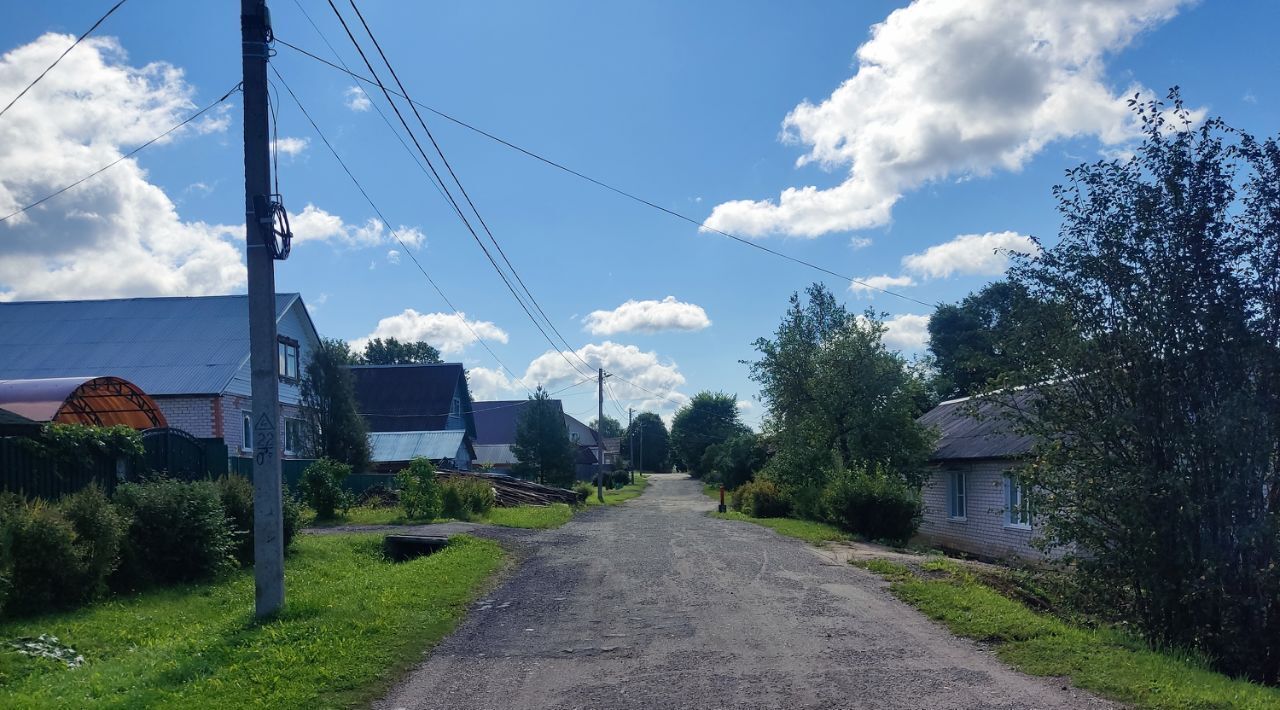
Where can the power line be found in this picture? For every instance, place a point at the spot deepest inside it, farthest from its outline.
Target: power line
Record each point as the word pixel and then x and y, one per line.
pixel 60 56
pixel 473 410
pixel 392 230
pixel 449 167
pixel 456 207
pixel 122 158
pixel 617 190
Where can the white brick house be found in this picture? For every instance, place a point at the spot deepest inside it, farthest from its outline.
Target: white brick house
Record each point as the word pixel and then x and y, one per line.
pixel 191 354
pixel 972 502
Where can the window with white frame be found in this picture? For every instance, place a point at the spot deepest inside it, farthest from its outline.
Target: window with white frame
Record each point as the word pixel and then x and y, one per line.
pixel 287 351
pixel 957 495
pixel 293 436
pixel 456 410
pixel 247 431
pixel 1017 503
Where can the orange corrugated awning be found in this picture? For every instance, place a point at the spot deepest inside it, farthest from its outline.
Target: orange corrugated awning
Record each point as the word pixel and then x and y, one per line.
pixel 97 401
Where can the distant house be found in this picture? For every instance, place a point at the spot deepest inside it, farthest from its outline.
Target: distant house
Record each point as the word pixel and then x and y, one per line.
pixel 972 503
pixel 417 399
pixel 391 451
pixel 496 433
pixel 189 354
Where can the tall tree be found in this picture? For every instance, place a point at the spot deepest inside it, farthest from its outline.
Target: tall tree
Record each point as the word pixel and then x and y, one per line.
pixel 394 352
pixel 334 427
pixel 1161 419
pixel 611 426
pixel 708 419
pixel 542 448
pixel 976 341
pixel 833 390
pixel 652 443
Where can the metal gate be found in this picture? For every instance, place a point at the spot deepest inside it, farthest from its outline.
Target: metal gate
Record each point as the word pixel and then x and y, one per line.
pixel 175 453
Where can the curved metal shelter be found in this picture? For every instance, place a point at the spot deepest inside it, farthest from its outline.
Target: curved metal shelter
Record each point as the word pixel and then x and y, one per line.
pixel 98 401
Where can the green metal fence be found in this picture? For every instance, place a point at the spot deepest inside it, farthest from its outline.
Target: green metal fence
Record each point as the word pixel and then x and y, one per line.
pixel 24 472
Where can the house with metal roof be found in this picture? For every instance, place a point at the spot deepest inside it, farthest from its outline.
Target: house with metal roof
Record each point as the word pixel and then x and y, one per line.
pixel 972 501
pixel 391 451
pixel 496 433
pixel 418 401
pixel 190 355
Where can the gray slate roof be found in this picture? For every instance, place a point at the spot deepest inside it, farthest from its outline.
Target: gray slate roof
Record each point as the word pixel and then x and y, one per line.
pixel 166 346
pixel 977 429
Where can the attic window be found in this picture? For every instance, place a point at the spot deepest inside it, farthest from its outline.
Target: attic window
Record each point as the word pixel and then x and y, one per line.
pixel 288 358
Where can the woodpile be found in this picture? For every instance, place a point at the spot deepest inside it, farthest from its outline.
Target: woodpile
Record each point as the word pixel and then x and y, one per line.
pixel 515 491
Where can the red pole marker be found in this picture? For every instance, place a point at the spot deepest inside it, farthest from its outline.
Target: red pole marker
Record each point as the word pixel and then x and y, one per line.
pixel 722 508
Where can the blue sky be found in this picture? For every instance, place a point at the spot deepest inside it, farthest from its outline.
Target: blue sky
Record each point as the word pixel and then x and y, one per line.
pixel 957 120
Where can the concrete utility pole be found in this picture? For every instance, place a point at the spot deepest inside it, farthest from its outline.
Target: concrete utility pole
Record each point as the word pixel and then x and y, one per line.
pixel 600 435
pixel 641 447
pixel 268 532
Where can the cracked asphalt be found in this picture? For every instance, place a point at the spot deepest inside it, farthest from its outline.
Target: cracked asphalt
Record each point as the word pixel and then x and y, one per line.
pixel 654 604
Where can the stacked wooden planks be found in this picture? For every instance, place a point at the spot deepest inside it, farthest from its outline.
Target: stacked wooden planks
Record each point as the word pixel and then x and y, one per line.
pixel 512 491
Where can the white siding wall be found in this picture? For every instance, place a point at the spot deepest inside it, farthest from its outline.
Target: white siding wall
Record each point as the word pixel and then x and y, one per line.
pixel 193 415
pixel 984 531
pixel 294 324
pixel 233 410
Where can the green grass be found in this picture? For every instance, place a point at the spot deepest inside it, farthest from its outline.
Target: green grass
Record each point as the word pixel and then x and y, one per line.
pixel 368 515
pixel 530 516
pixel 621 495
pixel 353 622
pixel 807 530
pixel 1103 660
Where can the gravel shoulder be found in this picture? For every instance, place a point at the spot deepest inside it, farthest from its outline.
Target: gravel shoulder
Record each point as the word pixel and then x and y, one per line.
pixel 654 604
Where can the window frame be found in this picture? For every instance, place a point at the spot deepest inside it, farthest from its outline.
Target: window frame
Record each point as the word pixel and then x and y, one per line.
pixel 246 430
pixel 1017 504
pixel 284 348
pixel 957 495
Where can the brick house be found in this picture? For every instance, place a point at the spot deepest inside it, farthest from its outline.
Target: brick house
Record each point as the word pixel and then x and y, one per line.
pixel 191 354
pixel 972 502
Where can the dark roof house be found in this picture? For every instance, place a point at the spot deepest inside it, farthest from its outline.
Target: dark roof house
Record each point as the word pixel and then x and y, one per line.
pixel 414 397
pixel 496 432
pixel 973 501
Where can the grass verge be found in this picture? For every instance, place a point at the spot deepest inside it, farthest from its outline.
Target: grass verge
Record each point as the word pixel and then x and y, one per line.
pixel 530 516
pixel 1103 660
pixel 621 495
pixel 352 624
pixel 807 530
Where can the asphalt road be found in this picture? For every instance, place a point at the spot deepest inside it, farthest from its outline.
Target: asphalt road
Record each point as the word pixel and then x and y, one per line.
pixel 653 604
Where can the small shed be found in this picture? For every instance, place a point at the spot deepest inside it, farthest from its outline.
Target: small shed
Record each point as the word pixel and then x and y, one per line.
pixel 393 450
pixel 97 401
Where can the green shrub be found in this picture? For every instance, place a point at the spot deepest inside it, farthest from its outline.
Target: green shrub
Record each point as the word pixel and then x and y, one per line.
pixel 761 498
pixel 321 488
pixel 178 532
pixel 477 494
pixel 48 567
pixel 100 530
pixel 236 493
pixel 584 490
pixel 807 504
pixel 419 490
pixel 451 504
pixel 872 503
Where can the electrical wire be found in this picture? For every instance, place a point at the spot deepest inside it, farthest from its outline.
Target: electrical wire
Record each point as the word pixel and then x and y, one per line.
pixel 392 231
pixel 65 52
pixel 466 196
pixel 473 410
pixel 456 207
pixel 122 158
pixel 617 190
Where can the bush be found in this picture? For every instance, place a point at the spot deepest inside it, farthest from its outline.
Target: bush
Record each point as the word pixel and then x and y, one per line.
pixel 236 494
pixel 584 490
pixel 178 533
pixel 419 490
pixel 48 567
pixel 321 488
pixel 807 503
pixel 466 498
pixel 99 529
pixel 872 503
pixel 761 498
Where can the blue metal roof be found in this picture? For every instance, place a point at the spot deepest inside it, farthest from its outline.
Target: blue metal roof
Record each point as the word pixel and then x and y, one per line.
pixel 166 346
pixel 392 446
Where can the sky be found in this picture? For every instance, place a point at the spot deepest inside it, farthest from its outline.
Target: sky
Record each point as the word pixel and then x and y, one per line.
pixel 909 146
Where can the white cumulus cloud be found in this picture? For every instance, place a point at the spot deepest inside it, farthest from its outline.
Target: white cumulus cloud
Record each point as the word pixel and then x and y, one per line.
pixel 292 147
pixel 909 332
pixel 648 317
pixel 871 285
pixel 356 99
pixel 117 234
pixel 970 254
pixel 450 333
pixel 492 383
pixel 314 224
pixel 638 375
pixel 952 89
